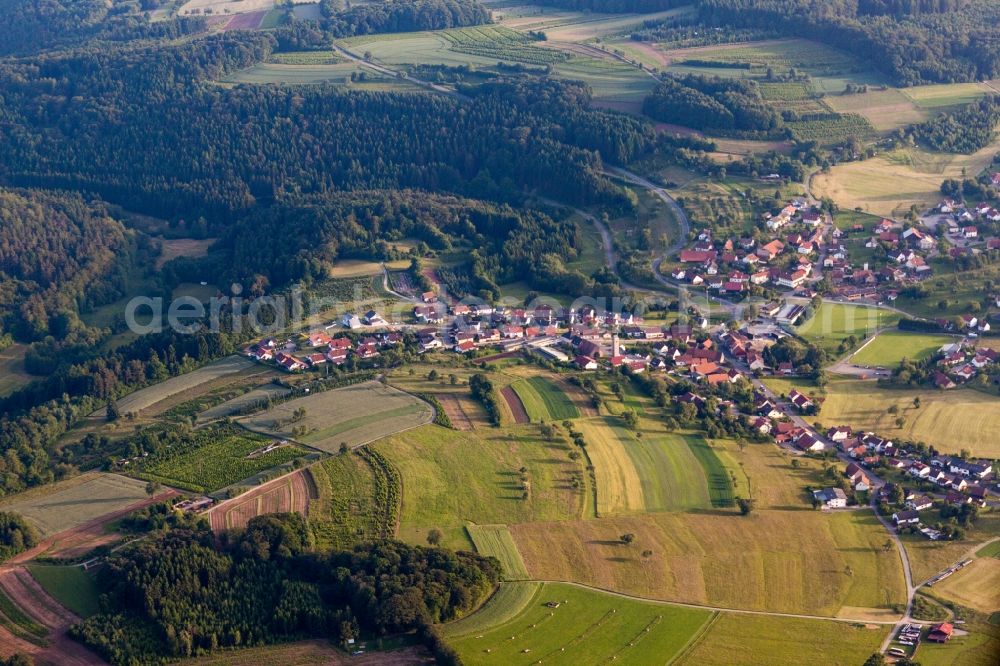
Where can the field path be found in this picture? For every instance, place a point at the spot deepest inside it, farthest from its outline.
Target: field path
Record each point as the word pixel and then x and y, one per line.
pixel 35 602
pixel 517 409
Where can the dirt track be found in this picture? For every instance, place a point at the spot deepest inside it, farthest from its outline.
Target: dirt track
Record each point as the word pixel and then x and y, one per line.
pixel 82 538
pixel 29 596
pixel 289 493
pixel 515 404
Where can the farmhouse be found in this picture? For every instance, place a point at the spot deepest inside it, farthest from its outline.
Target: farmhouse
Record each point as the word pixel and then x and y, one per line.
pixel 801 401
pixel 831 498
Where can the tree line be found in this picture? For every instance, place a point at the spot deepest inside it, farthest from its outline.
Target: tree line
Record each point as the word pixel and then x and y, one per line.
pixel 401 16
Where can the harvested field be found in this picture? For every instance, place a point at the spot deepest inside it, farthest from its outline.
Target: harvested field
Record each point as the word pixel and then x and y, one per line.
pixel 515 405
pixel 310 653
pixel 781 561
pixel 974 586
pixel 740 640
pixel 950 420
pixel 509 601
pixel 70 504
pixel 353 415
pixel 456 411
pixel 288 494
pixel 885 109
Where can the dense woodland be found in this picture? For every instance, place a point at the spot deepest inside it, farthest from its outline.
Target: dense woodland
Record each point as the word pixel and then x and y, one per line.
pixel 177 147
pixel 912 41
pixel 181 594
pixel 401 16
pixel 712 103
pixel 58 254
pixel 966 131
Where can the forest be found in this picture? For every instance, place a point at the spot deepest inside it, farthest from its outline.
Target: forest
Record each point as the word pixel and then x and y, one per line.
pixel 181 593
pixel 58 254
pixel 966 131
pixel 16 535
pixel 912 41
pixel 401 16
pixel 177 147
pixel 712 103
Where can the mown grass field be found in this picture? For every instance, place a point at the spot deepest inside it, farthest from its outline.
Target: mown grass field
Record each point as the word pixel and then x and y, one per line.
pixel 68 504
pixel 221 459
pixel 509 601
pixel 785 561
pixel 543 400
pixel 950 420
pixel 975 586
pixel 886 109
pixel 890 183
pixel 149 396
pixel 352 415
pixel 307 653
pixel 496 541
pixel 71 586
pixel 659 472
pixel 744 640
pixel 587 627
pixel 451 477
pixel 944 96
pixel 834 321
pixel 12 373
pixel 891 347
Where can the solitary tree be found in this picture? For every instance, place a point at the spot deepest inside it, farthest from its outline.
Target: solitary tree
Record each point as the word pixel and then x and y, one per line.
pixel 434 536
pixel 627 538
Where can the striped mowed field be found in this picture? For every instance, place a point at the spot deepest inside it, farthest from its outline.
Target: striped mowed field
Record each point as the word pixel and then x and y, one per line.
pixel 658 472
pixel 543 400
pixel 496 541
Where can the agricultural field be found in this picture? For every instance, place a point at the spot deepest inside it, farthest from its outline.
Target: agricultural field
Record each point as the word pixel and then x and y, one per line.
pixel 496 541
pixel 833 130
pixel 719 558
pixel 348 268
pixel 890 183
pixel 733 639
pixel 615 85
pixel 947 96
pixel 217 457
pixel 948 420
pixel 69 504
pixel 171 248
pixel 835 321
pixel 443 489
pixel 510 600
pixel 310 653
pixel 500 44
pixel 543 400
pixel 585 27
pixel 12 373
pixel 188 382
pixel 465 412
pixel 353 415
pixel 583 626
pixel 259 395
pixel 889 348
pixel 827 65
pixel 71 586
pixel 928 558
pixel 660 472
pixel 886 109
pixel 288 494
pixel 356 499
pixel 975 586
